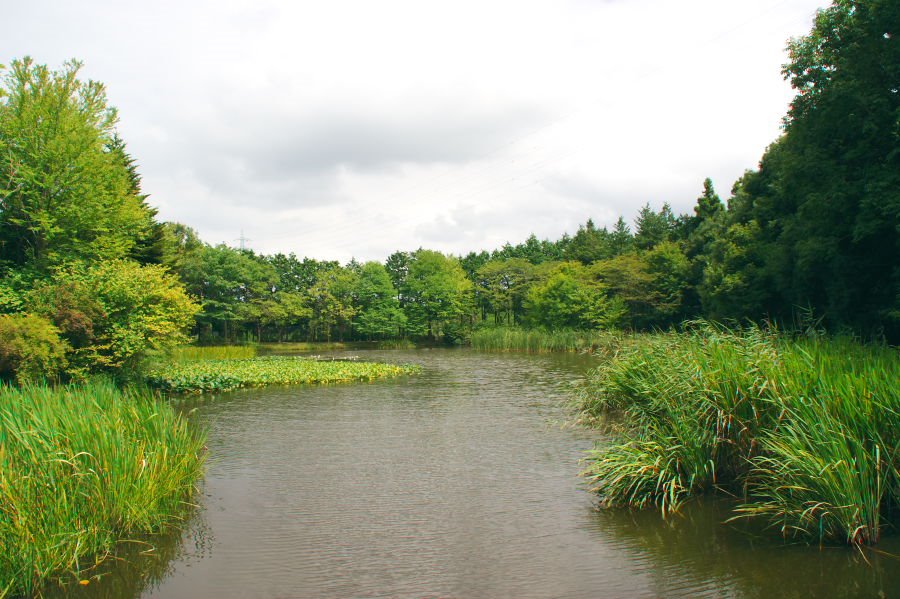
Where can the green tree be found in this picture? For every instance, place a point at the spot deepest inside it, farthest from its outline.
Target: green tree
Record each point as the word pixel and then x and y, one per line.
pixel 649 300
pixel 504 285
pixel 397 265
pixel 439 296
pixel 293 313
pixel 840 168
pixel 64 195
pixel 151 242
pixel 734 284
pixel 379 314
pixel 652 227
pixel 589 244
pixel 671 270
pixel 620 238
pixel 332 303
pixel 534 250
pixel 228 283
pixel 569 297
pixel 819 223
pixel 709 204
pixel 706 225
pixel 182 250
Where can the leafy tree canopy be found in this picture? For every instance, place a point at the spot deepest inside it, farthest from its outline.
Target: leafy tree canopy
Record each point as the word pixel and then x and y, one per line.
pixel 66 193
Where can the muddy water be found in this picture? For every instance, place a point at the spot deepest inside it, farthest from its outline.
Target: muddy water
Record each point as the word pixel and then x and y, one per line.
pixel 459 482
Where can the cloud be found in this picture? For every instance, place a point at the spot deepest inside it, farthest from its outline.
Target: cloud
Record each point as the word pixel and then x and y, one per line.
pixel 323 139
pixel 356 128
pixel 291 160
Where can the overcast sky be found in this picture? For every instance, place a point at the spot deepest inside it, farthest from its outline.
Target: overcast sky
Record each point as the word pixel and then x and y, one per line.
pixel 355 128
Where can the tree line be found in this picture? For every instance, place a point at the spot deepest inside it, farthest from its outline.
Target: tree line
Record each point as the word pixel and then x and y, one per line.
pixel 92 280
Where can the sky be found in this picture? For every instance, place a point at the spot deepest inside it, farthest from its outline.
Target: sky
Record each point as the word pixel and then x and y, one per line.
pixel 352 129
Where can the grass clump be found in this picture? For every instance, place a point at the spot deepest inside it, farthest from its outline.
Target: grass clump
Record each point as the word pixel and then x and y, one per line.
pixel 225 375
pixel 81 468
pixel 540 340
pixel 806 430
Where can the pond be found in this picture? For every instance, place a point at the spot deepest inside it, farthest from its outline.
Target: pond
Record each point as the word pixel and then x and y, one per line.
pixel 459 482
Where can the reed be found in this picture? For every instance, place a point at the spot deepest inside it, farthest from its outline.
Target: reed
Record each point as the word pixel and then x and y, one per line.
pixel 509 339
pixel 306 346
pixel 395 344
pixel 82 468
pixel 226 375
pixel 808 431
pixel 194 353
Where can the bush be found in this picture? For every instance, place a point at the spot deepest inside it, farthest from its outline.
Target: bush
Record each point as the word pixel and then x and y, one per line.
pixel 30 348
pixel 116 314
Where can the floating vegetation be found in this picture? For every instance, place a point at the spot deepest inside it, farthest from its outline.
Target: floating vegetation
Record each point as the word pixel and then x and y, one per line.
pixel 225 375
pixel 807 430
pixel 543 340
pixel 82 468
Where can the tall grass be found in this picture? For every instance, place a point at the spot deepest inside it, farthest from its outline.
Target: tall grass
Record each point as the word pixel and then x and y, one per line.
pixel 305 346
pixel 807 431
pixel 81 468
pixel 194 353
pixel 541 340
pixel 395 344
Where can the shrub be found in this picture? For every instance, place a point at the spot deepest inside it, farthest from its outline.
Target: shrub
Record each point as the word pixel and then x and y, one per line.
pixel 30 348
pixel 116 314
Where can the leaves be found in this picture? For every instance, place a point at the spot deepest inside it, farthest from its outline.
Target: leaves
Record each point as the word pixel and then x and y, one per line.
pixel 64 196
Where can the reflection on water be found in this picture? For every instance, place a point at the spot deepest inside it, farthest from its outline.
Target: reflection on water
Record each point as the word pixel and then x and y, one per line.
pixel 139 563
pixel 694 554
pixel 458 482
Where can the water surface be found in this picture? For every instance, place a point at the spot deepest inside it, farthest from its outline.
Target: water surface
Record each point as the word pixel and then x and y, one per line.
pixel 459 482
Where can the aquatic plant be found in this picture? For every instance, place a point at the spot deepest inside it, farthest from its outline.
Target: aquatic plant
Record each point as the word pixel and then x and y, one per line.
pixel 830 466
pixel 539 340
pixel 395 344
pixel 306 346
pixel 806 430
pixel 225 375
pixel 81 468
pixel 193 353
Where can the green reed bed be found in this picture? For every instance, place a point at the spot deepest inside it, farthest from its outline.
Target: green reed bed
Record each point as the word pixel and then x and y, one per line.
pixel 306 346
pixel 225 375
pixel 395 344
pixel 284 347
pixel 82 468
pixel 541 340
pixel 806 431
pixel 193 353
